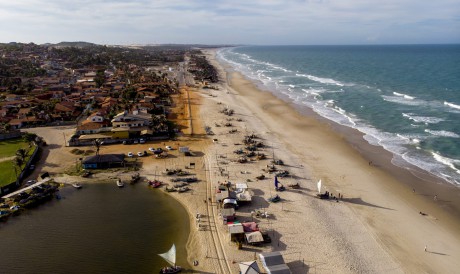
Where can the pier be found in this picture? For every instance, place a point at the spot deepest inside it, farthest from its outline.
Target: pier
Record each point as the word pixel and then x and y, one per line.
pixel 26 188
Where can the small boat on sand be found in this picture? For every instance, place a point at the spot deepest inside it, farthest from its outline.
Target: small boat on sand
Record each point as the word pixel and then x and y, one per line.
pixel 170 189
pixel 120 183
pixel 77 185
pixel 155 183
pixel 183 189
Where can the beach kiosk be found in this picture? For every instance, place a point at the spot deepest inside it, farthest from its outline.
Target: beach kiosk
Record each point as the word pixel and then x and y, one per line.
pixel 273 263
pixel 228 215
pixel 236 232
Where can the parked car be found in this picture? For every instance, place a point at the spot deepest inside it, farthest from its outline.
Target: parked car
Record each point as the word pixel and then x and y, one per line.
pixel 141 141
pixel 30 182
pixel 169 148
pixel 136 142
pixel 32 167
pixel 130 154
pixel 140 154
pixel 152 149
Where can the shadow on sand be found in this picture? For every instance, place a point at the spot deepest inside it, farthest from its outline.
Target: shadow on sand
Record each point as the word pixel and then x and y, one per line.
pixel 360 201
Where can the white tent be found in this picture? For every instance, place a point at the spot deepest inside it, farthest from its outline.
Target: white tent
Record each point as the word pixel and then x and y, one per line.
pixel 254 237
pixel 249 267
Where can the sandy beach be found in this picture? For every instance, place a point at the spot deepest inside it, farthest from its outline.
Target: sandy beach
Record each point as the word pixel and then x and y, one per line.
pixel 375 228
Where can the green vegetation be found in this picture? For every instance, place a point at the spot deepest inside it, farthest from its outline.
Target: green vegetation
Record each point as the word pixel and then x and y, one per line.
pixel 8 148
pixel 7 173
pixel 14 153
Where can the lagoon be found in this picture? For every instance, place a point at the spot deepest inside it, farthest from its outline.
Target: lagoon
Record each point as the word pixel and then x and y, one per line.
pixel 98 229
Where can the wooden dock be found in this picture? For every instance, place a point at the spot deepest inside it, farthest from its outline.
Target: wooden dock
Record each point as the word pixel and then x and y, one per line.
pixel 26 188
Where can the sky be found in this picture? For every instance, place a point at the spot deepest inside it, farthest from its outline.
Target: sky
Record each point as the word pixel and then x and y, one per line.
pixel 255 22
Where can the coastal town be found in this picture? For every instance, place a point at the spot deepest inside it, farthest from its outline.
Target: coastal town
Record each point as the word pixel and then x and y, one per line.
pixel 176 120
pixel 79 86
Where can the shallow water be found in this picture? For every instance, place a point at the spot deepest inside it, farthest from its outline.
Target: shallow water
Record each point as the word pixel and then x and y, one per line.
pixel 98 229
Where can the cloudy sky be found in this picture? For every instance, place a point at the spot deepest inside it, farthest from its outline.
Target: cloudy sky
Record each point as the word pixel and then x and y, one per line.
pixel 268 22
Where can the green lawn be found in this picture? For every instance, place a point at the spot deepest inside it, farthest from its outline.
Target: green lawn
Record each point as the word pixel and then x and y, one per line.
pixel 7 174
pixel 8 148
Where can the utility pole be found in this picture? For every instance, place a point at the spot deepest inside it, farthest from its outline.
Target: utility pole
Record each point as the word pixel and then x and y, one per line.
pixel 65 142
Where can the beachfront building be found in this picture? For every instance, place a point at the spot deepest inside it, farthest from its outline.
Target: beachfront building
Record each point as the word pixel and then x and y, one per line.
pixel 136 119
pixel 102 161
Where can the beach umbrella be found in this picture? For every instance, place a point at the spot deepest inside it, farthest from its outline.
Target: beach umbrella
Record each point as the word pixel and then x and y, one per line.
pixel 249 267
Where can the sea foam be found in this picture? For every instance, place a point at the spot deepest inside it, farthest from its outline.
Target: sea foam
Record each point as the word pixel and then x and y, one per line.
pixel 452 105
pixel 422 119
pixel 405 96
pixel 442 133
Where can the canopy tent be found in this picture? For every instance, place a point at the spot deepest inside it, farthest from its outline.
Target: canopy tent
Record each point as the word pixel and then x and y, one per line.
pixel 254 237
pixel 273 263
pixel 244 196
pixel 250 226
pixel 249 267
pixel 271 258
pixel 241 187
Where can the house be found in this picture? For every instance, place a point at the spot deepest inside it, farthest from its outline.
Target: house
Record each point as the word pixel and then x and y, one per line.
pixel 236 232
pixel 103 161
pixel 90 127
pixel 134 120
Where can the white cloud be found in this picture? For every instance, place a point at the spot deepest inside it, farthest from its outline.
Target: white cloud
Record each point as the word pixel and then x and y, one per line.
pixel 238 21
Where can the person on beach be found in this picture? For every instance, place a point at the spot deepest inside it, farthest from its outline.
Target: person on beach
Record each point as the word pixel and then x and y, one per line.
pixel 435 197
pixel 425 248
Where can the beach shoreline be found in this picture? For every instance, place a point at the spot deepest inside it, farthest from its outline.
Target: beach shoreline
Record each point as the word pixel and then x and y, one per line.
pixel 409 176
pixel 378 216
pixel 396 182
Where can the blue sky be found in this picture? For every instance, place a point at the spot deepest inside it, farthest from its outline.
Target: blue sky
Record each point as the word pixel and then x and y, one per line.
pixel 267 22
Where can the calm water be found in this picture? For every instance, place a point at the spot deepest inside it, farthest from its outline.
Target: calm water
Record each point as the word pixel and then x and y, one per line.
pixel 98 229
pixel 403 98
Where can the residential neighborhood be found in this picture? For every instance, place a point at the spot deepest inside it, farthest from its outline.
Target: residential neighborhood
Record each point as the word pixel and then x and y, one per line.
pixel 111 93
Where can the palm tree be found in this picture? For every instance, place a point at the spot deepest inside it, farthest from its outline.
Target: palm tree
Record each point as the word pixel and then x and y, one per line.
pixel 21 154
pixel 18 162
pixel 97 143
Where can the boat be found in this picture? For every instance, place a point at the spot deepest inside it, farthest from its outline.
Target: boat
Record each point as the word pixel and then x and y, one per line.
pixel 170 189
pixel 274 199
pixel 320 195
pixel 120 183
pixel 86 174
pixel 294 186
pixel 279 186
pixel 77 185
pixel 155 183
pixel 170 257
pixel 181 184
pixel 183 189
pixel 135 178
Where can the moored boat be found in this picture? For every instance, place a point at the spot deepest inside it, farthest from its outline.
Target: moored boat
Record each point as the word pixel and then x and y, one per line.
pixel 170 257
pixel 155 183
pixel 77 185
pixel 120 183
pixel 183 189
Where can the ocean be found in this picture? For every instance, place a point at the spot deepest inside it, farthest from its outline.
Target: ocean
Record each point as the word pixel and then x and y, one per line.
pixel 404 98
